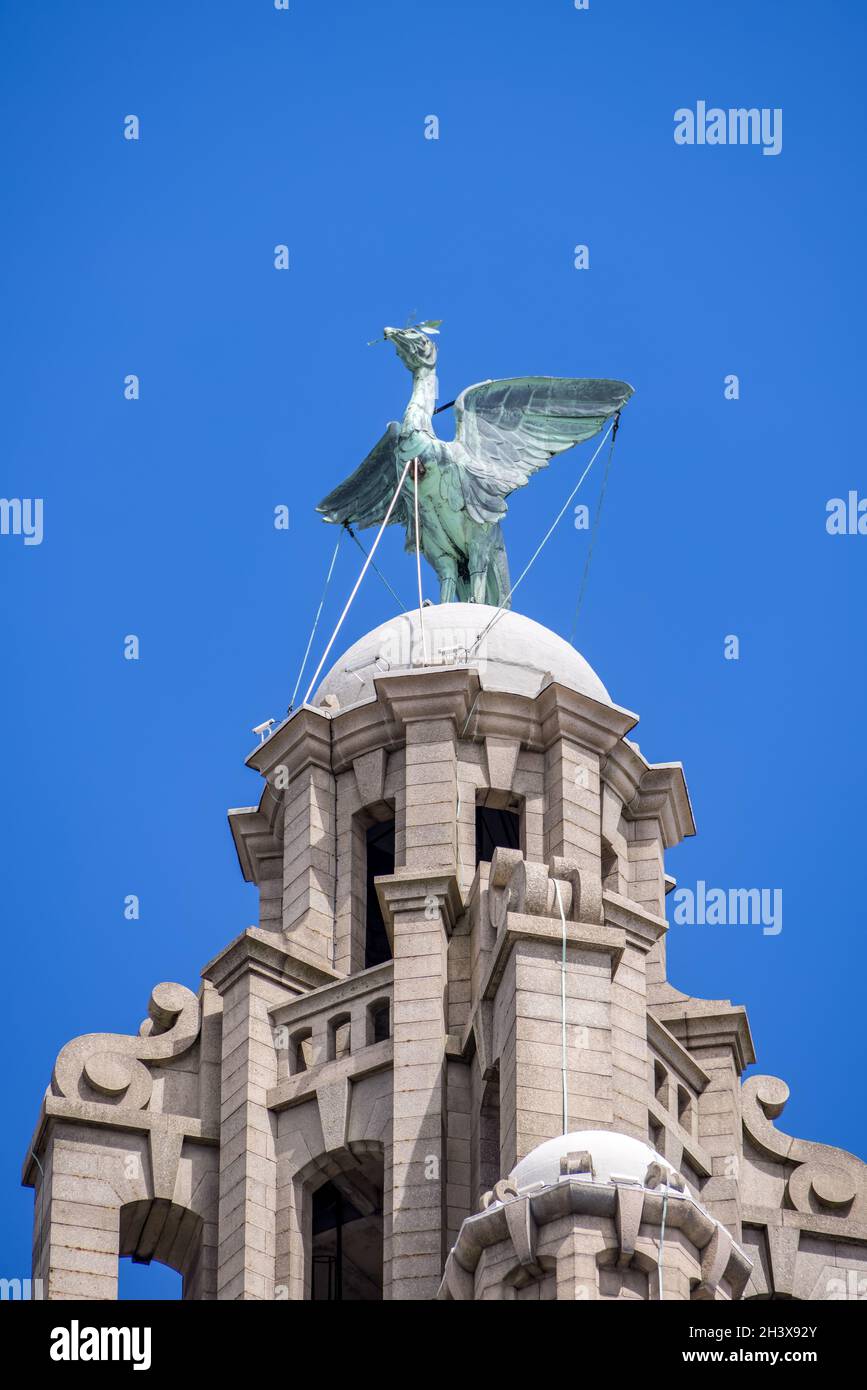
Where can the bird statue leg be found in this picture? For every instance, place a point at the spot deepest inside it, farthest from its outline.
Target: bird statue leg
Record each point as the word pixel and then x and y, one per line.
pixel 482 549
pixel 447 574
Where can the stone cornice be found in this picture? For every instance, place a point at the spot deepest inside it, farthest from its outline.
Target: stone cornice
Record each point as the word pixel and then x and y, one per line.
pixel 409 890
pixel 378 980
pixel 650 791
pixel 501 714
pixel 839 1229
pixel 255 952
pixel 303 740
pixel 362 729
pixel 295 1090
pixel 431 694
pixel 675 1054
pixel 334 739
pixel 643 929
pixel 710 1023
pixel 255 835
pixel 579 1196
pixel 564 713
pixel 56 1110
pixel 584 936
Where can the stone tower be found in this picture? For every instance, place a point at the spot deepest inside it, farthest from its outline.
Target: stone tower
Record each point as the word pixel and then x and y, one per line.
pixel 446 1062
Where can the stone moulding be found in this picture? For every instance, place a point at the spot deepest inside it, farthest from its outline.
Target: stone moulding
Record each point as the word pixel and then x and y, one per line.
pixel 519 1218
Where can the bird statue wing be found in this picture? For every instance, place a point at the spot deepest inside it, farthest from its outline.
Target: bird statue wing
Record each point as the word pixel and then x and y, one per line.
pixel 362 500
pixel 505 431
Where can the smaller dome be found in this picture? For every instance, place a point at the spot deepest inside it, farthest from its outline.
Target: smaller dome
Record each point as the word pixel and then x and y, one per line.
pixel 510 652
pixel 614 1155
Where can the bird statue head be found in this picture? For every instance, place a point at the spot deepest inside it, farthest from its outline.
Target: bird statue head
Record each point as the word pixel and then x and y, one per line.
pixel 414 348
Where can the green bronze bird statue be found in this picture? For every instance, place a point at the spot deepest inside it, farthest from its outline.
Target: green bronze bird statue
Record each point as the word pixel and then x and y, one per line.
pixel 505 431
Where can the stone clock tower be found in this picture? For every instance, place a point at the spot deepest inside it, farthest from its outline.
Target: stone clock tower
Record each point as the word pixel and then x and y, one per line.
pixel 446 1062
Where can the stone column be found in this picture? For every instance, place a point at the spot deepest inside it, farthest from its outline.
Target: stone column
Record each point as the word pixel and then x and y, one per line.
pixel 528 1032
pixel 252 976
pixel 76 1238
pixel 420 909
pixel 296 763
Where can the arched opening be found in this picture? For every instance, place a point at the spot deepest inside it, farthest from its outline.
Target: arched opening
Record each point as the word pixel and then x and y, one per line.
pixel 378 1021
pixel 151 1282
pixel 300 1051
pixel 347 1235
pixel 156 1231
pixel 379 847
pixel 339 1037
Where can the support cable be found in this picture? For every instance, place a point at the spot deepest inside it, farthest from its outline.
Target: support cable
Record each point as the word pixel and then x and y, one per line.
pixel 563 1067
pixel 418 566
pixel 537 552
pixel 368 562
pixel 376 570
pixel 316 621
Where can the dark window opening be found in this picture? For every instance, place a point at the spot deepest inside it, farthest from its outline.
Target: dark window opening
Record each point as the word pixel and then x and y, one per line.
pixel 339 1037
pixel 496 828
pixel 347 1241
pixel 380 860
pixel 379 1022
pixel 301 1052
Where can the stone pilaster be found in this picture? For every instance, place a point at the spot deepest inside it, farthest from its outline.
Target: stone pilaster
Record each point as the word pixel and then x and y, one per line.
pixel 434 708
pixel 252 976
pixel 296 763
pixel 76 1240
pixel 528 1031
pixel 420 909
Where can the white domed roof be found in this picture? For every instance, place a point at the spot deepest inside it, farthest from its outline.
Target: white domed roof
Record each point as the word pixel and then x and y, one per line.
pixel 614 1155
pixel 516 655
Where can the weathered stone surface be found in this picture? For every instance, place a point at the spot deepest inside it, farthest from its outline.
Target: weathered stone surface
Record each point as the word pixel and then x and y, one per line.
pixel 526 999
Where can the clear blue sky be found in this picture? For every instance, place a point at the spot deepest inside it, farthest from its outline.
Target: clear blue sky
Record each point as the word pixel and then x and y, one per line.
pixel 155 257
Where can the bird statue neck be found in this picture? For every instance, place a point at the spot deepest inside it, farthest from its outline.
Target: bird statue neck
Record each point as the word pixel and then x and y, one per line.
pixel 424 390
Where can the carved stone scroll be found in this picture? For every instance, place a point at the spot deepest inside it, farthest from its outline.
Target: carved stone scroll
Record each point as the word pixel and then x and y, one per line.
pixel 109 1068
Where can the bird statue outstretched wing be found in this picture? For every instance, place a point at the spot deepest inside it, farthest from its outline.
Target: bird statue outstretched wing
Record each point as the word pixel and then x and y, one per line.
pixel 505 431
pixel 363 498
